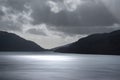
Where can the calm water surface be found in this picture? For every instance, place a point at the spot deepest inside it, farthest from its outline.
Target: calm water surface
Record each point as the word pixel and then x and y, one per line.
pixel 59 67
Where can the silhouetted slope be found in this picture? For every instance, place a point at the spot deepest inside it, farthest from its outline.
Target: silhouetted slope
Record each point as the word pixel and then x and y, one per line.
pixel 12 42
pixel 107 43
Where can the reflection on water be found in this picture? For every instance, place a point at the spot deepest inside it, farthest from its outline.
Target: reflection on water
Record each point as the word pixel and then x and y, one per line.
pixel 47 57
pixel 59 67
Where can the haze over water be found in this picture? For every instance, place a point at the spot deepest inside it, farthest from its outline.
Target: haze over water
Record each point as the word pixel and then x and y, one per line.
pixel 56 66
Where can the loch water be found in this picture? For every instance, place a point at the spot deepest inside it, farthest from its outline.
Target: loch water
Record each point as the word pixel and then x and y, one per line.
pixel 56 66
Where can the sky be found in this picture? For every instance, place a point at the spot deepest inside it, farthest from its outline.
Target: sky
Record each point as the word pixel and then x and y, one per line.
pixel 53 23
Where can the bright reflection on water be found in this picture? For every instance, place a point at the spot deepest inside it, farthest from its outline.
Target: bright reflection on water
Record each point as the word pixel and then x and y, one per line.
pixel 59 67
pixel 47 57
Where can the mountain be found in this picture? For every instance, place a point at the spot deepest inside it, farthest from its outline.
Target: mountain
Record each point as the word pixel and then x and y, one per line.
pixel 12 42
pixel 106 43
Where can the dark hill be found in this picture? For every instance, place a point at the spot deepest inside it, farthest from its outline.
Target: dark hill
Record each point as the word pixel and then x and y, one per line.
pixel 106 43
pixel 12 42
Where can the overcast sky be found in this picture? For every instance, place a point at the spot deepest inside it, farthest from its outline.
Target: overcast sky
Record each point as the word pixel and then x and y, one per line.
pixel 52 23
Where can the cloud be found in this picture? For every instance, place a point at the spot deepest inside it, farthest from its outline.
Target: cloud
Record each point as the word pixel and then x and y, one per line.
pixel 115 26
pixel 55 7
pixel 43 30
pixel 7 20
pixel 36 32
pixel 40 29
pixel 114 7
pixel 17 5
pixel 84 13
pixel 72 5
pixel 13 20
pixel 68 5
pixel 70 13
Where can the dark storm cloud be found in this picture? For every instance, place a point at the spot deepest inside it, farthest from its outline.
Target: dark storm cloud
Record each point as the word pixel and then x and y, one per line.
pixel 88 30
pixel 96 15
pixel 16 4
pixel 1 14
pixel 74 17
pixel 114 7
pixel 88 14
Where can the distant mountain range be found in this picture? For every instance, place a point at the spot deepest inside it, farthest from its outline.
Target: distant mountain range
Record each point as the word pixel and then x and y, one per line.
pixel 12 42
pixel 106 43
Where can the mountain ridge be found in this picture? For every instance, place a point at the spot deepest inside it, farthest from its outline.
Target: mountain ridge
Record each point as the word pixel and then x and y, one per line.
pixel 12 42
pixel 104 43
